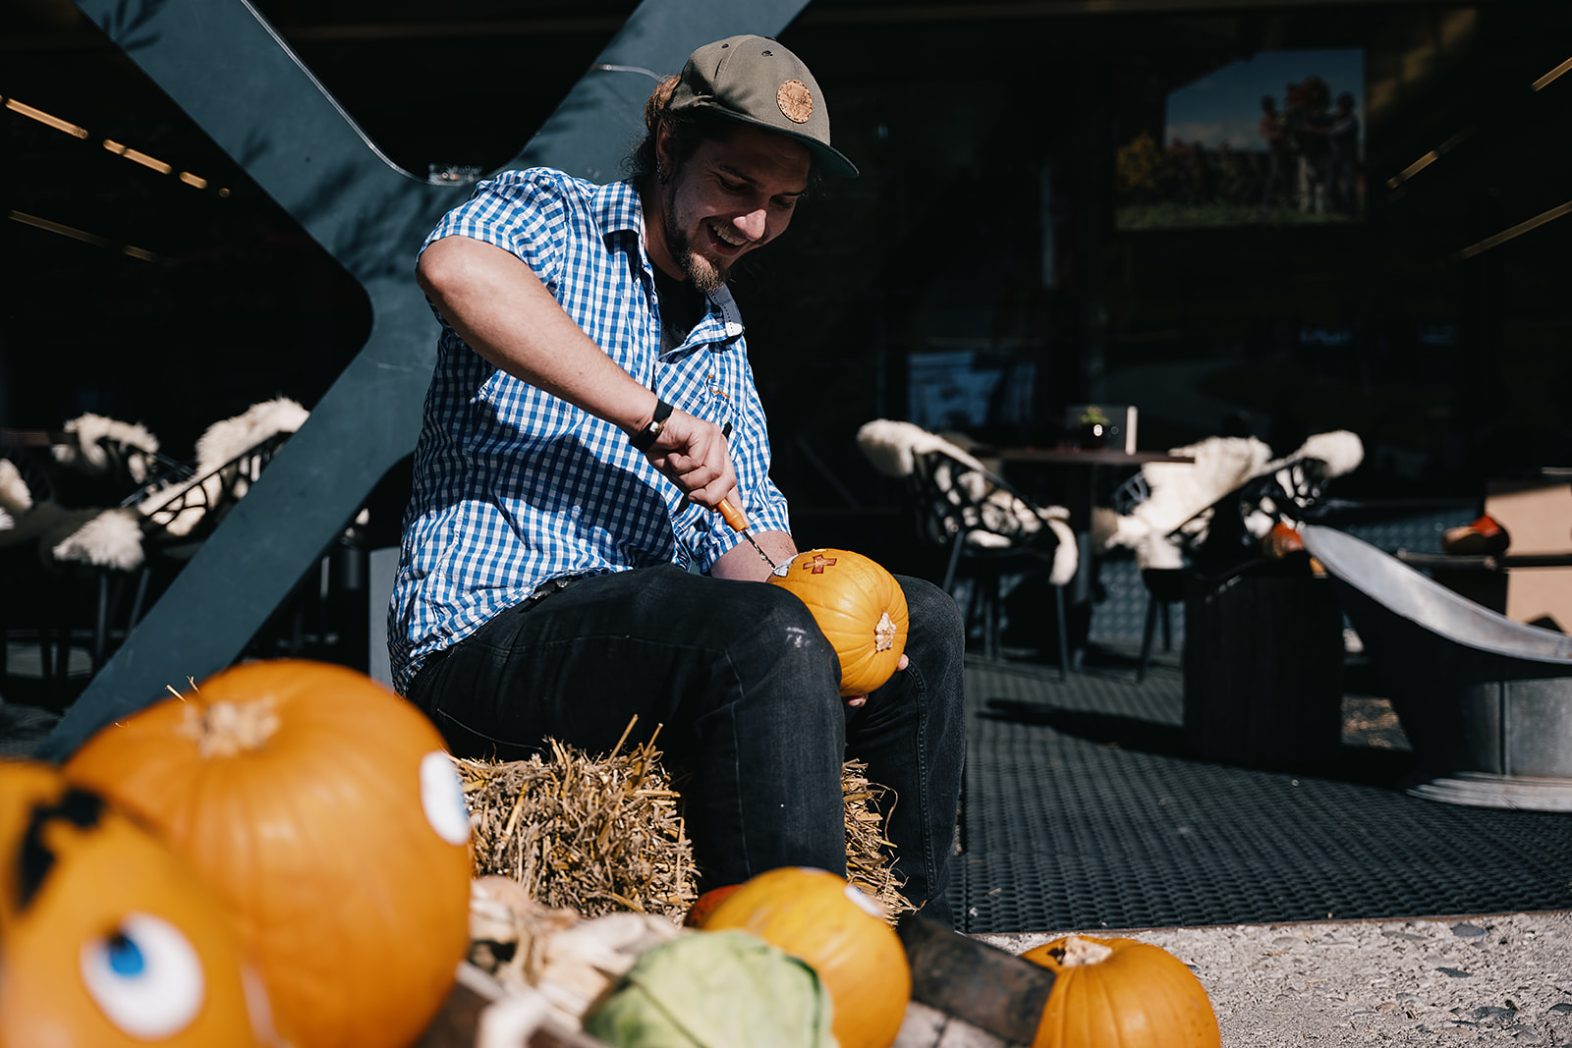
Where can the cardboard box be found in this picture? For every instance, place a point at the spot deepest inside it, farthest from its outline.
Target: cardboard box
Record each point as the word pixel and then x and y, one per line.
pixel 1536 594
pixel 1536 514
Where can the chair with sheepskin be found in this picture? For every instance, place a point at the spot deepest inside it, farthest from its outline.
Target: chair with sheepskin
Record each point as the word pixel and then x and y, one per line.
pixel 1230 508
pixel 990 530
pixel 160 526
pixel 51 484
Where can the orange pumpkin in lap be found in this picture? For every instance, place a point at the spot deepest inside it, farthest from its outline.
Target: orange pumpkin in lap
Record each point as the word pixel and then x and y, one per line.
pixel 858 605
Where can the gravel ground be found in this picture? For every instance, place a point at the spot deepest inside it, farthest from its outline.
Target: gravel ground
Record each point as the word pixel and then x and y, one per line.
pixel 1499 979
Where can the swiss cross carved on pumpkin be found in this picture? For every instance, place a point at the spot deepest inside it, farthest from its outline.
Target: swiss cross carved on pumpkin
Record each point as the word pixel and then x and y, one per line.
pixel 818 564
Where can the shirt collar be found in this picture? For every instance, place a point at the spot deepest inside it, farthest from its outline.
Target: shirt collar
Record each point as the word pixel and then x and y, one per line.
pixel 617 209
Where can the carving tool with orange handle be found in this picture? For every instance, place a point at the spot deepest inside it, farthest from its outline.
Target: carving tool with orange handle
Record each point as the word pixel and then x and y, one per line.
pixel 737 520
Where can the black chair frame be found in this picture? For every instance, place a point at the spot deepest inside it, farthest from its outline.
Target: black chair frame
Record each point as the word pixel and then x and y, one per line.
pixel 952 516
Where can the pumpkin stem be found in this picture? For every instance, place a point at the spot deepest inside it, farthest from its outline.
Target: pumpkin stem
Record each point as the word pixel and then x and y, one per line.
pixel 228 729
pixel 1079 953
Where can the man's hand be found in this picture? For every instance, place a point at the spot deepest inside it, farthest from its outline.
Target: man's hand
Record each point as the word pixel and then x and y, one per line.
pixel 862 700
pixel 694 455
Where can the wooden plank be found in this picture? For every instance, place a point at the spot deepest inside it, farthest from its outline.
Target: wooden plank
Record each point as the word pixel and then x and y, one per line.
pixel 992 990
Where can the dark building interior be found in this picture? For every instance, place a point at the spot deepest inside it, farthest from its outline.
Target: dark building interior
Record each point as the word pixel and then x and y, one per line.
pixel 986 271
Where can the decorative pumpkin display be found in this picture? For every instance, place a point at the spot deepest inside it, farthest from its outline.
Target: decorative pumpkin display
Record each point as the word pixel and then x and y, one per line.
pixel 107 938
pixel 1120 993
pixel 1282 541
pixel 322 809
pixel 838 931
pixel 705 905
pixel 858 605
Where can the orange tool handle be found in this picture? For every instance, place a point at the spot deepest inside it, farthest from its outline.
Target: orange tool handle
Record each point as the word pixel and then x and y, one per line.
pixel 734 516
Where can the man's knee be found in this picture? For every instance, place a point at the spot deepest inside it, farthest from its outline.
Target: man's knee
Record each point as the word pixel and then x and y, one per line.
pixel 801 652
pixel 933 613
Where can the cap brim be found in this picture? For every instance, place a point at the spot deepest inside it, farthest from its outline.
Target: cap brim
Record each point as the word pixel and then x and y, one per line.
pixel 829 157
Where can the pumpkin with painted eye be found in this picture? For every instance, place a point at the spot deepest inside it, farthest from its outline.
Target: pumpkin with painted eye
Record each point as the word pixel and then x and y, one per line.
pixel 858 605
pixel 106 937
pixel 323 810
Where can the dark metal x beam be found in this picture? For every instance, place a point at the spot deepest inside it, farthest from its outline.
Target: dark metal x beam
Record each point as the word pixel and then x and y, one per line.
pixel 227 68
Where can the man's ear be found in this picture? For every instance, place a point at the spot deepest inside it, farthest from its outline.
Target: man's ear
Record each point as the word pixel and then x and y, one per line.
pixel 663 164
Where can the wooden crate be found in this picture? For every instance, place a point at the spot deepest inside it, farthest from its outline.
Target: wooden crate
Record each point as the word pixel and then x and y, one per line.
pixel 965 994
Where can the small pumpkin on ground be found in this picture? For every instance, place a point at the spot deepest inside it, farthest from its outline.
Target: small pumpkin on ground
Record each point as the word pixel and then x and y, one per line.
pixel 858 605
pixel 107 937
pixel 838 931
pixel 325 814
pixel 1120 993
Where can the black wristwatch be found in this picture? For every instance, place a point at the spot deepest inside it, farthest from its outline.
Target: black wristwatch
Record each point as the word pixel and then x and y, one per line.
pixel 644 438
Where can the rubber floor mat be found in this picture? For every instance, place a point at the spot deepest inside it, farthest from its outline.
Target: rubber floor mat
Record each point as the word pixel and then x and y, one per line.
pixel 1082 811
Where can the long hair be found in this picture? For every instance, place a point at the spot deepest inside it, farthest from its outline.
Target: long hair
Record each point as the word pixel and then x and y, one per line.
pixel 687 129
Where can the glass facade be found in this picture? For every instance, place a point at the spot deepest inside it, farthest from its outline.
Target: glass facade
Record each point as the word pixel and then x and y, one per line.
pixel 986 270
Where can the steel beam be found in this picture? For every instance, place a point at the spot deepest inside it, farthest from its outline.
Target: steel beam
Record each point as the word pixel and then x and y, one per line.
pixel 226 67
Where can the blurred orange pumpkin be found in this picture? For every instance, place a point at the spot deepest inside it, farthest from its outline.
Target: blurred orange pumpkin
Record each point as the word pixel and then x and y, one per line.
pixel 838 931
pixel 859 607
pixel 107 937
pixel 705 905
pixel 323 810
pixel 1120 993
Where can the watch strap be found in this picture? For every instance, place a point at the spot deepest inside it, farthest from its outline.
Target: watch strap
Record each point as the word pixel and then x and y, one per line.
pixel 645 438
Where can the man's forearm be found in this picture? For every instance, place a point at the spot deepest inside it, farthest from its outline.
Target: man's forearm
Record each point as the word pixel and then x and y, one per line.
pixel 743 563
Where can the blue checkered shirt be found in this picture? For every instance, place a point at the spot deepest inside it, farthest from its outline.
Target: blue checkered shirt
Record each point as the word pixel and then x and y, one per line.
pixel 513 487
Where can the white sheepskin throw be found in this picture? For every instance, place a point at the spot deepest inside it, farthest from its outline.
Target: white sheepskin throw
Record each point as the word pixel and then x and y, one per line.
pixel 892 446
pixel 112 539
pixel 89 432
pixel 1338 451
pixel 1180 490
pixel 225 439
pixel 15 496
pixel 1333 453
pixel 218 445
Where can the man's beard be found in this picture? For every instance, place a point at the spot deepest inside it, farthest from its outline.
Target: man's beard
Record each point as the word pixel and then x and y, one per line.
pixel 706 274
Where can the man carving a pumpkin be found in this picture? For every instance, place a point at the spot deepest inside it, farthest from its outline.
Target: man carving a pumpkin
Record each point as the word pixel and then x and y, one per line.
pixel 563 564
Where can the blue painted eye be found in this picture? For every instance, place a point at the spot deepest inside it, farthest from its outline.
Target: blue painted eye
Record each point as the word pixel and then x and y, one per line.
pixel 443 797
pixel 125 956
pixel 146 977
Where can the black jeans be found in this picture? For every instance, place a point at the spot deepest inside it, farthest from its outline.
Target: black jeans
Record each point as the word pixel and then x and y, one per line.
pixel 745 686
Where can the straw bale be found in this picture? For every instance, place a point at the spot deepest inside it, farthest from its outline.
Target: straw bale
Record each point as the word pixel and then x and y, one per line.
pixel 600 834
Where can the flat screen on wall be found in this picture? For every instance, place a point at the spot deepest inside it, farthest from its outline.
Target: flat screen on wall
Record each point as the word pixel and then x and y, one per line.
pixel 1277 138
pixel 971 391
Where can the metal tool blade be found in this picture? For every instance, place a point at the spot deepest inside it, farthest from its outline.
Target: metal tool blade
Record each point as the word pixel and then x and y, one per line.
pixel 737 519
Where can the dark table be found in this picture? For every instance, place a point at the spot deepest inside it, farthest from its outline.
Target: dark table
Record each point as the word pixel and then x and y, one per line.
pixel 1082 469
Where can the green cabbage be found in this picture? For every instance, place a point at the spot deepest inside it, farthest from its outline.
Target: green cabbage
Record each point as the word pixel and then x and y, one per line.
pixel 716 989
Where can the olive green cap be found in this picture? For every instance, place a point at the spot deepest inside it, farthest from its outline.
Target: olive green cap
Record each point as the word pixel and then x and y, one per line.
pixel 755 80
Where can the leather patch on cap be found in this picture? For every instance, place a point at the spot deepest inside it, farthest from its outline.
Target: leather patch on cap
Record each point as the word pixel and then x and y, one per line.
pixel 795 101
